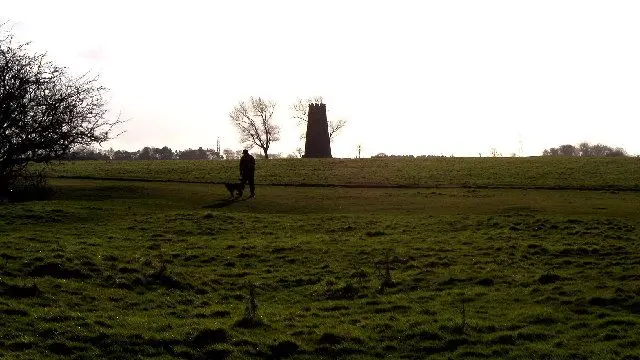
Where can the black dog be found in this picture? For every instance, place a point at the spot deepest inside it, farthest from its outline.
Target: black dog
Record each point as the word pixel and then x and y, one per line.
pixel 237 188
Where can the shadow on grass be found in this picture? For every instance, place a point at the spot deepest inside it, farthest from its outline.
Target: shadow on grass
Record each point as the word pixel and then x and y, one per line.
pixel 224 203
pixel 99 193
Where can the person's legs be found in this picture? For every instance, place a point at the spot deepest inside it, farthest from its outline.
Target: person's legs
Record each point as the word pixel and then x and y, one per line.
pixel 252 186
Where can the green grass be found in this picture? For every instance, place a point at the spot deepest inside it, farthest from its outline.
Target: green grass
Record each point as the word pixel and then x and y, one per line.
pixel 549 172
pixel 116 270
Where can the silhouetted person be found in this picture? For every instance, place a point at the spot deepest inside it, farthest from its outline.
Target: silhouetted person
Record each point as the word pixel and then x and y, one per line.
pixel 247 171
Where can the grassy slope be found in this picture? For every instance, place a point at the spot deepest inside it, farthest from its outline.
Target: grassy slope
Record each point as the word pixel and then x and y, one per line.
pixel 109 269
pixel 519 172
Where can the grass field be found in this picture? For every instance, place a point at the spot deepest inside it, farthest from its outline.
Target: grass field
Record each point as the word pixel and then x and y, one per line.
pixel 121 269
pixel 537 172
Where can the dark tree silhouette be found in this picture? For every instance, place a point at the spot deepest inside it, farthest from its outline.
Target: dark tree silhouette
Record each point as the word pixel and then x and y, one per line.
pixel 154 153
pixel 125 155
pixel 146 153
pixel 87 153
pixel 193 154
pixel 585 149
pixel 44 111
pixel 254 121
pixel 568 150
pixel 165 153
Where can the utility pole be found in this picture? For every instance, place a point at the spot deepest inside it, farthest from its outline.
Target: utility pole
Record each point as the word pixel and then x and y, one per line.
pixel 520 142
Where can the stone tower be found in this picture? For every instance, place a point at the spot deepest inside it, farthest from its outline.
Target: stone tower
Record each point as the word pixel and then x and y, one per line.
pixel 318 144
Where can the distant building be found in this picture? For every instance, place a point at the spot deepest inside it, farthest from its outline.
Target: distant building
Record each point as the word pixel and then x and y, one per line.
pixel 318 143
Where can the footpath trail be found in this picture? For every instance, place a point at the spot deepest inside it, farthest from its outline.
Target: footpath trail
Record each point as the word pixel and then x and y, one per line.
pixel 611 187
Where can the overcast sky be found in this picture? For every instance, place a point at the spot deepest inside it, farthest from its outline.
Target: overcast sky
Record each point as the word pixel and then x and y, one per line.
pixel 410 77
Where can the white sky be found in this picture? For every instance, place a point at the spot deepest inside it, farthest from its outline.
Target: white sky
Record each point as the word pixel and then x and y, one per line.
pixel 410 77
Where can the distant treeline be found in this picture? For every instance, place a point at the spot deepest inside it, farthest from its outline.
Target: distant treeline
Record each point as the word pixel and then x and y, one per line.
pixel 383 155
pixel 165 153
pixel 585 149
pixel 155 153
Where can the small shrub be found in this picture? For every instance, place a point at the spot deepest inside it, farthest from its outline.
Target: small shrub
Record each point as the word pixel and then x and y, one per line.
pixel 384 272
pixel 331 289
pixel 250 318
pixel 463 315
pixel 161 277
pixel 360 275
pixel 29 186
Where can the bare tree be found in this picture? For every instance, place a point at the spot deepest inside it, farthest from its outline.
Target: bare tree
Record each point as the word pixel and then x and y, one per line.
pixel 44 111
pixel 584 149
pixel 229 154
pixel 567 150
pixel 300 112
pixel 254 121
pixel 335 127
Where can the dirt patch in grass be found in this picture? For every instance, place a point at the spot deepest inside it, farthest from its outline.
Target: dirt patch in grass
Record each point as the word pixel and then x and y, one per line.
pixel 58 271
pixel 206 337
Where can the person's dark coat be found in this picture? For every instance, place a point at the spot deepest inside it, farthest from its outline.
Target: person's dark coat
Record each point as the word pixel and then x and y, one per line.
pixel 247 171
pixel 247 165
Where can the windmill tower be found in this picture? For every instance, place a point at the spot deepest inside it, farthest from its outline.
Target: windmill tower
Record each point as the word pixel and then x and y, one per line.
pixel 318 143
